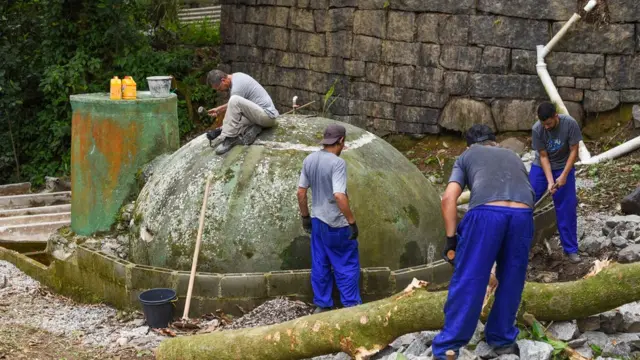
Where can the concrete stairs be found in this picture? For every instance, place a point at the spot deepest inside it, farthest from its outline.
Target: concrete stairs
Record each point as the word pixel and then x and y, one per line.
pixel 31 218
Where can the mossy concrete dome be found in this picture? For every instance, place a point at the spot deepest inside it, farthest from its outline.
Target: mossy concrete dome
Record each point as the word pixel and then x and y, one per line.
pixel 252 221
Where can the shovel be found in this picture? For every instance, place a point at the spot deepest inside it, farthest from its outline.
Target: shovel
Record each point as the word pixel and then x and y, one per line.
pixel 184 322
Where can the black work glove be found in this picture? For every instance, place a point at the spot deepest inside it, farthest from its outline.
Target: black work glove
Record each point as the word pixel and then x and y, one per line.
pixel 449 252
pixel 306 224
pixel 354 231
pixel 213 134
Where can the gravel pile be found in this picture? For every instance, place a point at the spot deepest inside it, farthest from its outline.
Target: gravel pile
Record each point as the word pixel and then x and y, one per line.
pixel 27 303
pixel 272 312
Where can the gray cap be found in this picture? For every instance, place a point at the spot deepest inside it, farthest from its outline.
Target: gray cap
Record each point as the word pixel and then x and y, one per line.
pixel 333 133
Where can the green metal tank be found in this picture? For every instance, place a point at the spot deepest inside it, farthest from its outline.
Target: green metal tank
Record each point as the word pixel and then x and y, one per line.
pixel 111 141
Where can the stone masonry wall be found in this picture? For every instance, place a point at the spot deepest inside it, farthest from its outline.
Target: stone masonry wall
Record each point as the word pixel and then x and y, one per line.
pixel 416 66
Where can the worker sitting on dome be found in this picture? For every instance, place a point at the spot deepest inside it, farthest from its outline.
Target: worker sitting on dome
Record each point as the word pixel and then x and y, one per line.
pixel 333 228
pixel 498 228
pixel 249 110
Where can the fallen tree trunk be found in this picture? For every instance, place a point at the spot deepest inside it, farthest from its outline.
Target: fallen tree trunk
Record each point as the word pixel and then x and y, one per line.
pixel 363 330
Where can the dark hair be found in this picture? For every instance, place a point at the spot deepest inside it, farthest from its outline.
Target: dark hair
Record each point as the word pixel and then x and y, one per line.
pixel 479 133
pixel 214 77
pixel 546 110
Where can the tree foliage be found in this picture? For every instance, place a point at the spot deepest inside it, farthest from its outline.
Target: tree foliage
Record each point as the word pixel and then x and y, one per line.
pixel 52 49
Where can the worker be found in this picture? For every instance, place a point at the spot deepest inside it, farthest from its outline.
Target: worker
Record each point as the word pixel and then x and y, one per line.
pixel 249 110
pixel 334 233
pixel 555 139
pixel 498 228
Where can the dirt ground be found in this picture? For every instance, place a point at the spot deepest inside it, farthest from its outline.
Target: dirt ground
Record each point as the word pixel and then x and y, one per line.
pixel 24 342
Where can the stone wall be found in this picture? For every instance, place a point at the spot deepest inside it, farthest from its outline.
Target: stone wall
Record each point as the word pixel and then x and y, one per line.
pixel 416 66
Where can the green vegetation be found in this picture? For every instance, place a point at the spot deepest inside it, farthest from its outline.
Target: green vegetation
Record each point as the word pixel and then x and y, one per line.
pixel 55 48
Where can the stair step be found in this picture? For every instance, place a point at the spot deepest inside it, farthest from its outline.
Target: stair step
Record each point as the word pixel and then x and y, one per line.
pixel 34 200
pixel 15 189
pixel 31 232
pixel 35 219
pixel 35 211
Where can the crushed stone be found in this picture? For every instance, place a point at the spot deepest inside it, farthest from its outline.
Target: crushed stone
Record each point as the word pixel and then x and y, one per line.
pixel 28 303
pixel 272 312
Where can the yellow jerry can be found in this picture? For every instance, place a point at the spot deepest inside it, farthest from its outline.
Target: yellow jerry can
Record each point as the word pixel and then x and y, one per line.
pixel 116 88
pixel 128 88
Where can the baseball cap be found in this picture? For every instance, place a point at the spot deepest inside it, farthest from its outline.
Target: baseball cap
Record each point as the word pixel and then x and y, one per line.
pixel 333 133
pixel 479 133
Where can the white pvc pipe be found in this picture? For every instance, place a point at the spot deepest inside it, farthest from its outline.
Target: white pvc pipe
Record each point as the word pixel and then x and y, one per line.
pixel 560 34
pixel 590 5
pixel 616 152
pixel 547 82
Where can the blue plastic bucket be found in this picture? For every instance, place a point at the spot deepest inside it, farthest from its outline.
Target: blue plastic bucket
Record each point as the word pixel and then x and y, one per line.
pixel 158 306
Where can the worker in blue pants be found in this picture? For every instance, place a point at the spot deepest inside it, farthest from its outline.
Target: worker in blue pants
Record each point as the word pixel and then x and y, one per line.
pixel 498 228
pixel 332 225
pixel 332 247
pixel 555 139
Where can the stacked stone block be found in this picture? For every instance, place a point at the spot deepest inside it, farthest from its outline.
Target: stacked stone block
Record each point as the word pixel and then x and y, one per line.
pixel 415 66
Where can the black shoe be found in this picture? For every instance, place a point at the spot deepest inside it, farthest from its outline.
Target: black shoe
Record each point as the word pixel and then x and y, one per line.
pixel 227 144
pixel 212 135
pixel 319 310
pixel 251 134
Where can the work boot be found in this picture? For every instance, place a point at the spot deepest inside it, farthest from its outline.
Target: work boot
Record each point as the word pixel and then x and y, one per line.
pixel 574 258
pixel 212 135
pixel 227 144
pixel 319 310
pixel 251 134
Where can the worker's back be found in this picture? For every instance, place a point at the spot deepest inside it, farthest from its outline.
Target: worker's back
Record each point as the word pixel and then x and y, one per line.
pixel 493 174
pixel 326 174
pixel 247 87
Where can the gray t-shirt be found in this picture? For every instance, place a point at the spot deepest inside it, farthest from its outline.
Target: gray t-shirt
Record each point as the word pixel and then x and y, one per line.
pixel 326 174
pixel 492 174
pixel 556 141
pixel 247 87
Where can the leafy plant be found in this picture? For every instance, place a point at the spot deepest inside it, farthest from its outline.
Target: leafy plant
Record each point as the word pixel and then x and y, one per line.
pixel 56 48
pixel 538 334
pixel 597 351
pixel 329 99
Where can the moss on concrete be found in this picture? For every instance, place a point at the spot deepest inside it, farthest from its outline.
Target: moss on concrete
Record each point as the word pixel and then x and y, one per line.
pixel 252 218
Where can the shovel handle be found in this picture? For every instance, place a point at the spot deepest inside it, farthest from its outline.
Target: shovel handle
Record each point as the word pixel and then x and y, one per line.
pixel 194 262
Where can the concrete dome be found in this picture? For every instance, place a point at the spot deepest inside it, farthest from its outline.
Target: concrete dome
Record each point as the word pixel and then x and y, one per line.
pixel 252 221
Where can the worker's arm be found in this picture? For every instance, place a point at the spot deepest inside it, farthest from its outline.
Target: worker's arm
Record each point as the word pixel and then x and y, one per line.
pixel 546 167
pixel 303 202
pixel 573 156
pixel 343 204
pixel 574 138
pixel 214 112
pixel 450 207
pixel 339 184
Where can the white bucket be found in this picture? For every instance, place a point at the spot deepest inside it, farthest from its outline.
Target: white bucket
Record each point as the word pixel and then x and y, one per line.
pixel 159 86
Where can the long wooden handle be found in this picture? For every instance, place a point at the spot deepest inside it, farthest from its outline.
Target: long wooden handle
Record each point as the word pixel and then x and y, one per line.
pixel 299 107
pixel 196 252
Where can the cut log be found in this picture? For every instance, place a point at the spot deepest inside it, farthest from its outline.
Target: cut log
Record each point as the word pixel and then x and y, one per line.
pixel 363 330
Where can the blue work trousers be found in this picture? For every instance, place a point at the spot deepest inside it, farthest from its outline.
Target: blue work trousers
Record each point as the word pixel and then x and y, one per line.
pixel 486 234
pixel 331 248
pixel 565 201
